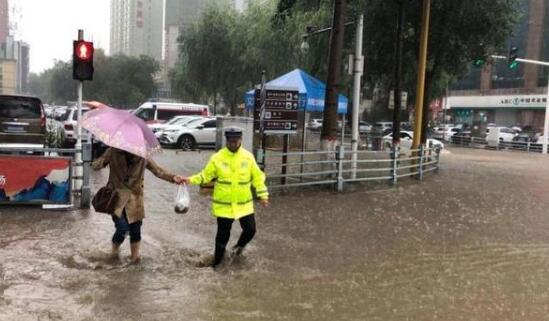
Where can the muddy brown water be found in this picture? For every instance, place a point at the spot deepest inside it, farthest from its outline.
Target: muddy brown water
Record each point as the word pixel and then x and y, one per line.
pixel 470 243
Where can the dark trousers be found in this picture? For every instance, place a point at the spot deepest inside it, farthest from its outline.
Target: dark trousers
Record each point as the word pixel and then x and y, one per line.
pixel 123 227
pixel 224 233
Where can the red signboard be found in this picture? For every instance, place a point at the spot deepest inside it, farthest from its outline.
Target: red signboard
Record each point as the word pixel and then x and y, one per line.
pixel 31 179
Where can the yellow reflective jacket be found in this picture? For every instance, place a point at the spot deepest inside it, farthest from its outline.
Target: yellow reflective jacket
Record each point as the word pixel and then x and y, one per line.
pixel 235 174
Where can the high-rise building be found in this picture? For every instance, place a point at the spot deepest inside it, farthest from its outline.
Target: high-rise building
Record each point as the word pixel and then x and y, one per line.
pixel 504 96
pixel 137 27
pixel 8 81
pixel 18 51
pixel 4 20
pixel 180 15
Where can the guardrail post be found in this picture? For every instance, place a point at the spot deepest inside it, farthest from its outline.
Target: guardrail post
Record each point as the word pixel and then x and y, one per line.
pixel 394 155
pixel 421 157
pixel 340 155
pixel 260 158
pixel 284 170
pixel 85 195
pixel 437 152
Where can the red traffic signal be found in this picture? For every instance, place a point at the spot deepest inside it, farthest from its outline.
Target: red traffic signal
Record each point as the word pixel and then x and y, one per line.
pixel 84 50
pixel 82 60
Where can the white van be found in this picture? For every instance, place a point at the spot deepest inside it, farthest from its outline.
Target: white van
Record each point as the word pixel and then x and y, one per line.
pixel 159 112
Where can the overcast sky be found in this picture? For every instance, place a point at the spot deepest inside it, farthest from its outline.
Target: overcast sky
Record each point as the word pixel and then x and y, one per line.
pixel 50 26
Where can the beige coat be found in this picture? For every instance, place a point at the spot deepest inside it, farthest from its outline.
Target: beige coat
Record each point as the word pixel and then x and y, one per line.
pixel 128 181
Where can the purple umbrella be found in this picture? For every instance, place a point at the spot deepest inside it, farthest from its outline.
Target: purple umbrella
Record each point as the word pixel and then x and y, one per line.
pixel 121 129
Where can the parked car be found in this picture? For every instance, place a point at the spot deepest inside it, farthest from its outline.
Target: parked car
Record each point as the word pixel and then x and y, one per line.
pixel 197 132
pixel 438 131
pixel 463 137
pixel 315 123
pixel 364 127
pixel 22 120
pixel 69 123
pixel 449 132
pixel 158 127
pixel 382 125
pixel 181 122
pixel 406 140
pixel 506 134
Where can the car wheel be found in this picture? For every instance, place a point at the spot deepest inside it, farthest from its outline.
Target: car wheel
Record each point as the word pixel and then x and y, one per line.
pixel 186 142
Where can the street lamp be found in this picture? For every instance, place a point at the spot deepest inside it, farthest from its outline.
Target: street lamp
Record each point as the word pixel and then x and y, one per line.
pixel 304 45
pixel 357 68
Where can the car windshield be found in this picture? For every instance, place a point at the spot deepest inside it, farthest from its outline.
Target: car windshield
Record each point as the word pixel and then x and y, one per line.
pixel 174 120
pixel 184 120
pixel 195 123
pixel 19 107
pixel 75 114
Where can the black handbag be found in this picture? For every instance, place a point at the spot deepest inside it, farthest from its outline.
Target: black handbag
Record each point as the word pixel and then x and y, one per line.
pixel 105 199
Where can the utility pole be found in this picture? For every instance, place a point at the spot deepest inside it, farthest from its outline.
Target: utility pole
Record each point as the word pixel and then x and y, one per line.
pixel 398 78
pixel 424 41
pixel 357 72
pixel 329 125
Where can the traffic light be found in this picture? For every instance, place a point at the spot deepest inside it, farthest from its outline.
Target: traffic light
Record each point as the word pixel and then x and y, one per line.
pixel 512 57
pixel 479 62
pixel 82 60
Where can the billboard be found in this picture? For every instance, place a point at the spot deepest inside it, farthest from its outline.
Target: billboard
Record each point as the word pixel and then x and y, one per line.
pixel 35 180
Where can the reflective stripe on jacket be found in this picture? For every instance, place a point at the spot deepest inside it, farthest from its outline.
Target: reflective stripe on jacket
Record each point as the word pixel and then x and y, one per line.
pixel 235 174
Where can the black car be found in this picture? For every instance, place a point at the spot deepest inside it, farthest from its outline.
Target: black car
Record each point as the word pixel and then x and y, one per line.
pixel 525 138
pixel 463 137
pixel 22 120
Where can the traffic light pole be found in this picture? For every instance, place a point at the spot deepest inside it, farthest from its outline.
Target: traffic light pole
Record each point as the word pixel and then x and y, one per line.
pixel 546 121
pixel 78 172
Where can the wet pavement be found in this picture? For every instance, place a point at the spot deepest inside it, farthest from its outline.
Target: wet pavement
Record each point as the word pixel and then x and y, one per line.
pixel 470 243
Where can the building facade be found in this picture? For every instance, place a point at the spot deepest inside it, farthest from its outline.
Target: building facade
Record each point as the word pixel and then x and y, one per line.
pixel 4 20
pixel 19 52
pixel 503 96
pixel 8 78
pixel 137 28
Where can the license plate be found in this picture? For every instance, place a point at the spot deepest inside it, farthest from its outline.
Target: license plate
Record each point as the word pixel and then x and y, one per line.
pixel 15 129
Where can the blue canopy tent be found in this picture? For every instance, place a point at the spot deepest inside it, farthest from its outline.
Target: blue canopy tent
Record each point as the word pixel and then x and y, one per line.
pixel 311 92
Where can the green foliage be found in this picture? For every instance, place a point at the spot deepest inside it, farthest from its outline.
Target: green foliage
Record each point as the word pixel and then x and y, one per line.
pixel 460 31
pixel 224 54
pixel 118 81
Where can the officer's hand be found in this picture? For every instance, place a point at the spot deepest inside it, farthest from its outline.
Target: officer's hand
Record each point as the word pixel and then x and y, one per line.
pixel 264 202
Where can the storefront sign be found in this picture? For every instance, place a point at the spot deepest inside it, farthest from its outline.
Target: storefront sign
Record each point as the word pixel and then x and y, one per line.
pixel 516 101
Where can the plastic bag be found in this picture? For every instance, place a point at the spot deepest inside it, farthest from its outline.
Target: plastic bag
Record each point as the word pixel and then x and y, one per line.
pixel 182 199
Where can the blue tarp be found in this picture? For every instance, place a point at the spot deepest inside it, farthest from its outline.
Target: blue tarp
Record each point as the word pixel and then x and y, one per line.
pixel 311 92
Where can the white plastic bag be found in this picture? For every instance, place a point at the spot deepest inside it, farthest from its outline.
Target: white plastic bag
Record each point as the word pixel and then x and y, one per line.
pixel 182 199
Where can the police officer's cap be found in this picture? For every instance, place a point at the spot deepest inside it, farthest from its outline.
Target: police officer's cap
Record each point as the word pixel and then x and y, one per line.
pixel 233 132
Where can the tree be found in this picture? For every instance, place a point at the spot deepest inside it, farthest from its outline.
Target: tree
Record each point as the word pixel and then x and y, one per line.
pixel 224 54
pixel 459 32
pixel 119 81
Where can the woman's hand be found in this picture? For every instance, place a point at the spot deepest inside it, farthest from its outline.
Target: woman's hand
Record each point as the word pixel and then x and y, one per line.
pixel 178 179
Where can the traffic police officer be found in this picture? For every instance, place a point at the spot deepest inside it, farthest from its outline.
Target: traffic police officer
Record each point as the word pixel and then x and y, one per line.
pixel 235 171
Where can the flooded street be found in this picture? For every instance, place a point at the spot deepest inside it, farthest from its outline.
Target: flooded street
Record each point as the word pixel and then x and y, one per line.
pixel 469 243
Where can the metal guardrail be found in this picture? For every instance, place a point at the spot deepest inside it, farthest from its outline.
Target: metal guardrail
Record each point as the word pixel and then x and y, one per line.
pixel 80 184
pixel 482 143
pixel 314 168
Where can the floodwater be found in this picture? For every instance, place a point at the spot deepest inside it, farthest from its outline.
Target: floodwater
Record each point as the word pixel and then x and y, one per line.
pixel 470 243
